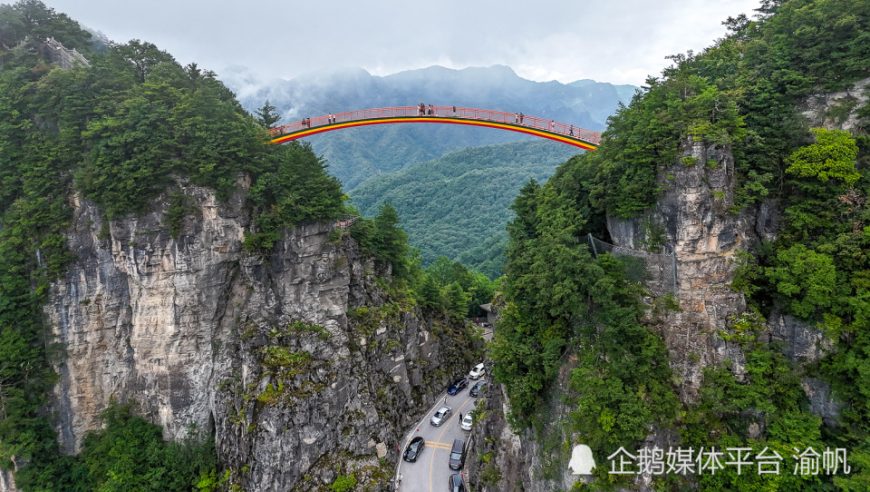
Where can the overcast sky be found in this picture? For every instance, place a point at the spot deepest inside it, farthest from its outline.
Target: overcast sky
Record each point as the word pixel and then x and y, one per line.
pixel 617 41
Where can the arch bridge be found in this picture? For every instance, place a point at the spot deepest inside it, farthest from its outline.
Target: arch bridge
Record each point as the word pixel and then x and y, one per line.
pixel 516 122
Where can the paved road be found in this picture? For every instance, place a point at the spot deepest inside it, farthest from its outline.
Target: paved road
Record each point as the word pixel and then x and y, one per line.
pixel 431 472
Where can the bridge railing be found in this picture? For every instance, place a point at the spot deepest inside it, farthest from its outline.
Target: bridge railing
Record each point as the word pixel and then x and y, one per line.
pixel 543 124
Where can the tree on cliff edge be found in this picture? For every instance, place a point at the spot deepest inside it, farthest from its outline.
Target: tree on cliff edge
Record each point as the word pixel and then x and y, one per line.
pixel 267 115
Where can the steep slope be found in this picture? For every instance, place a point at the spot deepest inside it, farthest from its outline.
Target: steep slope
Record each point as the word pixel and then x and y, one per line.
pixel 293 357
pixel 165 274
pixel 356 154
pixel 747 163
pixel 457 206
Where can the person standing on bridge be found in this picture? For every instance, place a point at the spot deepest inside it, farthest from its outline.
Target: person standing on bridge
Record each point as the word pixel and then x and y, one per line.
pixel 571 131
pixel 421 110
pixel 454 111
pixel 521 118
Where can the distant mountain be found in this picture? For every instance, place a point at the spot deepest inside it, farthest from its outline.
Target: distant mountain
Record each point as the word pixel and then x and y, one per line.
pixel 357 154
pixel 625 92
pixel 457 205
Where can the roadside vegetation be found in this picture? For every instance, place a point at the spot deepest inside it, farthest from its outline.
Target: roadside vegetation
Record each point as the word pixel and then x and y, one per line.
pixel 740 94
pixel 444 288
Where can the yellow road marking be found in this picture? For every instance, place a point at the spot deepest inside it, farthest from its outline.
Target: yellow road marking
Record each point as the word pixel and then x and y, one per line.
pixel 432 460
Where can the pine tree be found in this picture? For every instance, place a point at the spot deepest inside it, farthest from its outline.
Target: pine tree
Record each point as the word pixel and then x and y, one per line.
pixel 390 242
pixel 457 301
pixel 267 115
pixel 430 296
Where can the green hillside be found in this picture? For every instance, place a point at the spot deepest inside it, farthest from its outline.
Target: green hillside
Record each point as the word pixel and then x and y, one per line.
pixel 745 95
pixel 356 154
pixel 457 206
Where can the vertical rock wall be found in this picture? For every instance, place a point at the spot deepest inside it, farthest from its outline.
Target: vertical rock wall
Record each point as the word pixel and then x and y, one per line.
pixel 694 219
pixel 261 350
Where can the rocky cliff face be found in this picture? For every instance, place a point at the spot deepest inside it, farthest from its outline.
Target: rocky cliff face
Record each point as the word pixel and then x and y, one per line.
pixel 303 362
pixel 692 218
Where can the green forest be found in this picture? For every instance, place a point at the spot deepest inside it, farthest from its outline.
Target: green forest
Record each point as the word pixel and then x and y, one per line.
pixel 126 129
pixel 458 205
pixel 119 132
pixel 741 94
pixel 123 132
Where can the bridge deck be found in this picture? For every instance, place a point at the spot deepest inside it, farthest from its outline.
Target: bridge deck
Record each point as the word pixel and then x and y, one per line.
pixel 541 127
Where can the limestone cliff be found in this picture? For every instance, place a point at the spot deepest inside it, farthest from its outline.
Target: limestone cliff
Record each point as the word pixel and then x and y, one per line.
pixel 303 362
pixel 693 218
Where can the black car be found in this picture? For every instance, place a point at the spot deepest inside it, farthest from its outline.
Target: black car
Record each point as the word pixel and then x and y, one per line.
pixel 457 386
pixel 457 454
pixel 415 447
pixel 477 388
pixel 456 484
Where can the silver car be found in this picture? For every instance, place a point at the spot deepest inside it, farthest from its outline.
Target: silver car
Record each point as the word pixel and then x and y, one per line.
pixel 441 416
pixel 466 422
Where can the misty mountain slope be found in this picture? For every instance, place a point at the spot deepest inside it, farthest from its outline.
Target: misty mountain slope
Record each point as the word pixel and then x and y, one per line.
pixel 457 205
pixel 357 154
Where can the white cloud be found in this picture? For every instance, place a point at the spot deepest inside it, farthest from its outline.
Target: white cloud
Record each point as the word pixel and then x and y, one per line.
pixel 620 41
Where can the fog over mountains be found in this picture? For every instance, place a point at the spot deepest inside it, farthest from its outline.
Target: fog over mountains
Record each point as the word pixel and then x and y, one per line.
pixel 355 155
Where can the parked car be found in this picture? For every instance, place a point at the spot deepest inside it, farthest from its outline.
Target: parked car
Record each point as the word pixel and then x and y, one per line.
pixel 456 484
pixel 466 422
pixel 477 371
pixel 415 447
pixel 477 388
pixel 457 386
pixel 441 416
pixel 457 454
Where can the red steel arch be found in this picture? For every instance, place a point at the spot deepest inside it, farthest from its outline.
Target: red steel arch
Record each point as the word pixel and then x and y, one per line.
pixel 517 122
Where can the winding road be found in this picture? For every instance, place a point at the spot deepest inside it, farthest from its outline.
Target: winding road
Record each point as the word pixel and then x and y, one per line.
pixel 431 472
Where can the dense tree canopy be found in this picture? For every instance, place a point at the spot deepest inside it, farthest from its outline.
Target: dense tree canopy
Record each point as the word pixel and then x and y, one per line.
pixel 743 96
pixel 457 206
pixel 120 133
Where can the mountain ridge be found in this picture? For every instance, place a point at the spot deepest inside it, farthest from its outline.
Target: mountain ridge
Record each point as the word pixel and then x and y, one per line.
pixel 359 153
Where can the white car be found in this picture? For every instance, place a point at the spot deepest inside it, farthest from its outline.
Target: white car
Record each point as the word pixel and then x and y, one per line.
pixel 466 422
pixel 440 416
pixel 477 372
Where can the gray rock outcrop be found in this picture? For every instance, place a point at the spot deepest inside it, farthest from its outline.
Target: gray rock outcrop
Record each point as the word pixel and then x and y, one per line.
pixel 302 362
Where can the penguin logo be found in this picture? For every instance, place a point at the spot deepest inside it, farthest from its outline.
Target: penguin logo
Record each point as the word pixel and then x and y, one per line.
pixel 582 462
